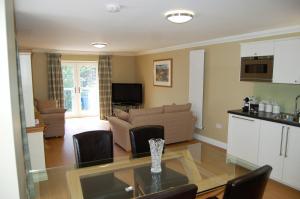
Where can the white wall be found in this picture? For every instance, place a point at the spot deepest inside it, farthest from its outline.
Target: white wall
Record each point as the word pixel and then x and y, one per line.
pixel 12 180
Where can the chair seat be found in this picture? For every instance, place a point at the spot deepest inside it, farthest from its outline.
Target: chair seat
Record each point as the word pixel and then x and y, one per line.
pixel 105 186
pixel 150 183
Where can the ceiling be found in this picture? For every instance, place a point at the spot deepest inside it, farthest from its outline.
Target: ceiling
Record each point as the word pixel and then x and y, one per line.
pixel 71 25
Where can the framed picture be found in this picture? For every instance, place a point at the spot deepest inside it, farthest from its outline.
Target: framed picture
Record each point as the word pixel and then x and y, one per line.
pixel 162 72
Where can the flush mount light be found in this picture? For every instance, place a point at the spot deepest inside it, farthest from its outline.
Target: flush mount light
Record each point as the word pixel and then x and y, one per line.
pixel 99 44
pixel 179 16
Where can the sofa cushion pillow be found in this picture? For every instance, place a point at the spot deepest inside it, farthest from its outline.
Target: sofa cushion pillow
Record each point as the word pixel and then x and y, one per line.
pixel 122 115
pixel 177 108
pixel 140 112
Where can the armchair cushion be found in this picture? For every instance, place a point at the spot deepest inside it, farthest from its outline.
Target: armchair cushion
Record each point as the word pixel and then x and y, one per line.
pixel 53 110
pixel 46 104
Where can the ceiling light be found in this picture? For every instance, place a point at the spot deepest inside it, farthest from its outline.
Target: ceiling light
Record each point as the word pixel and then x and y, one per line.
pixel 179 16
pixel 99 45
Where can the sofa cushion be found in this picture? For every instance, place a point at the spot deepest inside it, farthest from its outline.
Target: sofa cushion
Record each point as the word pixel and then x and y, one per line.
pixel 177 108
pixel 147 111
pixel 122 115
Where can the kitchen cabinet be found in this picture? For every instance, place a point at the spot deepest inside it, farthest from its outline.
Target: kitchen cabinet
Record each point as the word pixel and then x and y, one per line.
pixel 243 138
pixel 268 142
pixel 286 67
pixel 271 147
pixel 262 48
pixel 291 164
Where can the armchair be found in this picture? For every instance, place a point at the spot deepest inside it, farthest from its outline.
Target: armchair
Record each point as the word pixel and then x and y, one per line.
pixel 53 117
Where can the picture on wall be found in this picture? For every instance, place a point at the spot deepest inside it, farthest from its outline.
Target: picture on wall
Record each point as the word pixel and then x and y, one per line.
pixel 162 72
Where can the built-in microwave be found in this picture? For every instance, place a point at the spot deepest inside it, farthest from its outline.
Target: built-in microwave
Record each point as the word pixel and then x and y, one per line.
pixel 257 68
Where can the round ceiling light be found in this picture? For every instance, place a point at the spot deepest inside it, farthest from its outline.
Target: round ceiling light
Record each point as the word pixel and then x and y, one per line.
pixel 179 16
pixel 99 44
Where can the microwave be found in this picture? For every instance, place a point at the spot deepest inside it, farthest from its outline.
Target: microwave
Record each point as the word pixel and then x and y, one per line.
pixel 258 69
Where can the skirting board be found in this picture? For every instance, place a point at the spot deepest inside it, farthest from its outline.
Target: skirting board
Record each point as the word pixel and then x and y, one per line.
pixel 211 141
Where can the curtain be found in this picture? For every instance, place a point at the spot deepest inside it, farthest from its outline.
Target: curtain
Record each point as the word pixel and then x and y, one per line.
pixel 104 73
pixel 55 79
pixel 27 163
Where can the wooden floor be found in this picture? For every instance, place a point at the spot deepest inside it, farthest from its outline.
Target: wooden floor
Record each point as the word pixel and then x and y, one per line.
pixel 59 152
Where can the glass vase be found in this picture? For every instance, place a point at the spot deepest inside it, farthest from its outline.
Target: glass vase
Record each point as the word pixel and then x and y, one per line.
pixel 156 148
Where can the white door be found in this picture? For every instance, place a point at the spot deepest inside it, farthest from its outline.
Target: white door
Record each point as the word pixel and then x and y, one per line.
pixel 271 148
pixel 81 88
pixel 291 171
pixel 196 84
pixel 243 138
pixel 287 61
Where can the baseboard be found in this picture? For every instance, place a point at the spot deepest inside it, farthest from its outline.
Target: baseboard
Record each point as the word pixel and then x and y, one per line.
pixel 211 141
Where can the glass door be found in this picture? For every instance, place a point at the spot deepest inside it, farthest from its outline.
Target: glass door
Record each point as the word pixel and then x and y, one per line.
pixel 81 88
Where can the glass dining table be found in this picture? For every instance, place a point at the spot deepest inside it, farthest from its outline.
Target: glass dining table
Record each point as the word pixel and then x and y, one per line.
pixel 127 177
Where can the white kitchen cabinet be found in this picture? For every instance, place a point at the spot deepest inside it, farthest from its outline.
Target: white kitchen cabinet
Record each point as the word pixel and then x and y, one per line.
pixel 286 67
pixel 243 138
pixel 261 48
pixel 291 164
pixel 271 147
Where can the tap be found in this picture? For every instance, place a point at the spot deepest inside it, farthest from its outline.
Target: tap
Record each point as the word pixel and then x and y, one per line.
pixel 297 112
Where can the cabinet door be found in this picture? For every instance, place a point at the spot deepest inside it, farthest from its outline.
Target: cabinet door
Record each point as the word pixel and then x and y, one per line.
pixel 291 167
pixel 262 48
pixel 243 138
pixel 271 147
pixel 287 61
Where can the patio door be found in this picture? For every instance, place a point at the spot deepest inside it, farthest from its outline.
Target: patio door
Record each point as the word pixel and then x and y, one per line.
pixel 81 88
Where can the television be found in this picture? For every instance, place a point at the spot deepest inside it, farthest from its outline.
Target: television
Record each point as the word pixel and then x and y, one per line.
pixel 130 94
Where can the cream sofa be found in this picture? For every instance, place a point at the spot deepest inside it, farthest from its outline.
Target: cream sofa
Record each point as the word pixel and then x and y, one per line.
pixel 178 122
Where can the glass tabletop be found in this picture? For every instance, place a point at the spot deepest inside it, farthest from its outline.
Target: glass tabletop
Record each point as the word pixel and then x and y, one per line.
pixel 128 177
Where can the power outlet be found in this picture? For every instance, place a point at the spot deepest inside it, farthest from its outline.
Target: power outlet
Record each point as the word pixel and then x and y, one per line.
pixel 219 126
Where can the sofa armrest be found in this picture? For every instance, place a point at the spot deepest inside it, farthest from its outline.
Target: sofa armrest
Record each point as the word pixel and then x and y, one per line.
pixel 120 130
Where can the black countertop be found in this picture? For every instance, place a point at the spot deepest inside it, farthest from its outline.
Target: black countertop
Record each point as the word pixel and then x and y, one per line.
pixel 264 116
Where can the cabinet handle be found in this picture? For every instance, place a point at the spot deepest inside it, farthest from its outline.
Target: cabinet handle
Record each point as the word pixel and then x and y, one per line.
pixel 282 129
pixel 243 118
pixel 286 142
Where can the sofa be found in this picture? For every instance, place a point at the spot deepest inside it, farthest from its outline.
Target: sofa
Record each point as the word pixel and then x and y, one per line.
pixel 178 122
pixel 52 116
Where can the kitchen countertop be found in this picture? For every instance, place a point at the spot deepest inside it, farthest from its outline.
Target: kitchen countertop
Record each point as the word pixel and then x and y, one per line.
pixel 264 116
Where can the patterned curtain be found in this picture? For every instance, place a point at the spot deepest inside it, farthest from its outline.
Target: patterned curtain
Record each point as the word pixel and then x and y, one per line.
pixel 27 163
pixel 55 79
pixel 104 72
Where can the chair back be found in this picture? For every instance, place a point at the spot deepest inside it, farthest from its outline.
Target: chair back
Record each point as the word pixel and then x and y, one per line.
pixel 139 137
pixel 93 147
pixel 188 191
pixel 249 186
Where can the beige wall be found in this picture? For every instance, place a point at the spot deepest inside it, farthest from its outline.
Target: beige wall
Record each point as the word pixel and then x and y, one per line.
pixel 123 70
pixel 156 96
pixel 222 89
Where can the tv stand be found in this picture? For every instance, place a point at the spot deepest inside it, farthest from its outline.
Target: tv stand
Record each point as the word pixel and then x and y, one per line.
pixel 125 106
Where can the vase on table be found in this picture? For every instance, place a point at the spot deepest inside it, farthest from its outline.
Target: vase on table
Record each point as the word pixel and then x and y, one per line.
pixel 156 148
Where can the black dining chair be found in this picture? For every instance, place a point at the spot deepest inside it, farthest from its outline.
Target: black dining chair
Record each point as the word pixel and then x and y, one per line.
pixel 147 182
pixel 94 148
pixel 188 191
pixel 249 186
pixel 139 137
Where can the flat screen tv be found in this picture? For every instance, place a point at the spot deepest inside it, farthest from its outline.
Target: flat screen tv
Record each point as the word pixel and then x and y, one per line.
pixel 127 93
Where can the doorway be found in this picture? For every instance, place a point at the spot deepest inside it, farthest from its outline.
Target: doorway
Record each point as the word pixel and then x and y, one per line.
pixel 81 88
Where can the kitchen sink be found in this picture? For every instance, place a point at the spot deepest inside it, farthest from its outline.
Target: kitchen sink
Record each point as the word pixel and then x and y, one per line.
pixel 285 116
